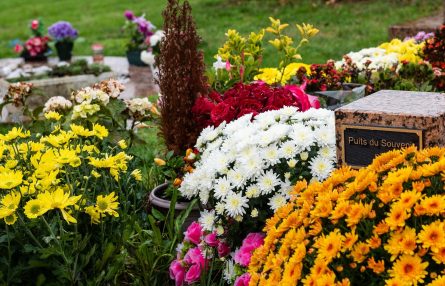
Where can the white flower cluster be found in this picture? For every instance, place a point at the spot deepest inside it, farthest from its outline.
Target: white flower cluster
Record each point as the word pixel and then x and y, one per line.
pixel 57 103
pixel 89 101
pixel 379 58
pixel 247 164
pixel 139 107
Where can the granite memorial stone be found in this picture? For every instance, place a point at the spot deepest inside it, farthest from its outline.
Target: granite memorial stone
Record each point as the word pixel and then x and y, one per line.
pixel 388 120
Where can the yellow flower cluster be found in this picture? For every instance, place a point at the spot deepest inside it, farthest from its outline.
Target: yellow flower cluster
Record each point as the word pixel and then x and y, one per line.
pixel 58 172
pixel 406 50
pixel 274 76
pixel 380 225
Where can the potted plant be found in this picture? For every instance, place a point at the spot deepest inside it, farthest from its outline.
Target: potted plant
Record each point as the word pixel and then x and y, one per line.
pixel 35 49
pixel 139 30
pixel 64 36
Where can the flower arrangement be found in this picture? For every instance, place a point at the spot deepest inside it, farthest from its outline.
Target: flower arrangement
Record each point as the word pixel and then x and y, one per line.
pixel 251 98
pixel 240 58
pixel 407 51
pixel 273 75
pixel 243 181
pixel 64 195
pixel 420 37
pixel 371 58
pixel 433 52
pixel 382 224
pixel 199 252
pixel 236 269
pixel 62 31
pixel 322 77
pixel 139 31
pixel 36 47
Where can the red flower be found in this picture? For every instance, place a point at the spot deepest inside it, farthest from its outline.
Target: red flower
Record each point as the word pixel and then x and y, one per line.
pixel 252 98
pixel 34 24
pixel 222 112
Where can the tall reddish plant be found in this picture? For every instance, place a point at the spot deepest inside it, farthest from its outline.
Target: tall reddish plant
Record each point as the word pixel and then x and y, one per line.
pixel 181 76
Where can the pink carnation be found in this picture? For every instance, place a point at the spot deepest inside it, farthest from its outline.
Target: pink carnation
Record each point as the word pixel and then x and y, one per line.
pixel 177 272
pixel 193 274
pixel 243 280
pixel 211 239
pixel 194 233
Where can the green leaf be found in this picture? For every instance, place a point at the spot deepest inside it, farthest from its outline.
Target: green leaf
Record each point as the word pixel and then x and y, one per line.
pixel 157 214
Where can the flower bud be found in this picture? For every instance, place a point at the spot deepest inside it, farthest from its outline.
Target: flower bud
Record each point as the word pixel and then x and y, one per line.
pixel 159 162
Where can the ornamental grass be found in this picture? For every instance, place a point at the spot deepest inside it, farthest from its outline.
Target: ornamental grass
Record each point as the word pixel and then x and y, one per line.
pixel 380 225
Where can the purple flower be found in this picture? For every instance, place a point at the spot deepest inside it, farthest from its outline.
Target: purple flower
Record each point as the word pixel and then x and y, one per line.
pixel 144 27
pixel 129 15
pixel 61 31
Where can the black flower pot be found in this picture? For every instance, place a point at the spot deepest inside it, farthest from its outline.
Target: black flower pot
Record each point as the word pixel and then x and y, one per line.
pixel 157 199
pixel 65 50
pixel 134 58
pixel 34 59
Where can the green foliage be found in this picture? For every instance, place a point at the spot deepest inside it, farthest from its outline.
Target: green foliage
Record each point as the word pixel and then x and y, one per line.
pixel 78 67
pixel 346 26
pixel 410 76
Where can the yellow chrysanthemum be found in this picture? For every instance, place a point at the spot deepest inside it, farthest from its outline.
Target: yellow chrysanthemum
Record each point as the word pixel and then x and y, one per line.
pixel 409 269
pixel 52 115
pixel 10 179
pixel 329 246
pixel 9 204
pixel 136 174
pixel 81 131
pixel 107 204
pixel 100 131
pixel 61 200
pixel 433 236
pixel 36 207
pixel 397 216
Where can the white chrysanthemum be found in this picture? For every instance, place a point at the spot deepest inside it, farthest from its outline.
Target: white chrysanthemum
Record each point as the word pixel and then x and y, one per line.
pixel 57 103
pixel 321 167
pixel 288 149
pixel 235 204
pixel 271 155
pixel 222 188
pixel 251 165
pixel 204 196
pixel 254 213
pixel 267 182
pixel 253 191
pixel 229 272
pixel 302 135
pixel 207 220
pixel 236 177
pixel 277 201
pixel 325 136
pixel 219 208
pixel 327 152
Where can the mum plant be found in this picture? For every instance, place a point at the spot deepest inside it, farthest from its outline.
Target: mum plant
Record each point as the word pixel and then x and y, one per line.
pixel 67 201
pixel 383 224
pixel 242 181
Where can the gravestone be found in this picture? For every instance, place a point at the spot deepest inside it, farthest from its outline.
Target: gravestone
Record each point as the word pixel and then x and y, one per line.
pixel 388 120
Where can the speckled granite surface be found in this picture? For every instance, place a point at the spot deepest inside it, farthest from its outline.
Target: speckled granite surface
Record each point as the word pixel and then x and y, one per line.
pixel 398 109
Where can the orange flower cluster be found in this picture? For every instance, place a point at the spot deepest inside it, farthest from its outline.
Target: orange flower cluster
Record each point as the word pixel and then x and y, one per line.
pixel 380 225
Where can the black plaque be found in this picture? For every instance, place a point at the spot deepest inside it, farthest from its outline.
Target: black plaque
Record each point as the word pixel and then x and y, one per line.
pixel 361 144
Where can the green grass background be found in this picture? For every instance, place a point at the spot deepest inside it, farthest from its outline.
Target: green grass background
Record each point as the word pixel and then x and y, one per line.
pixel 347 26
